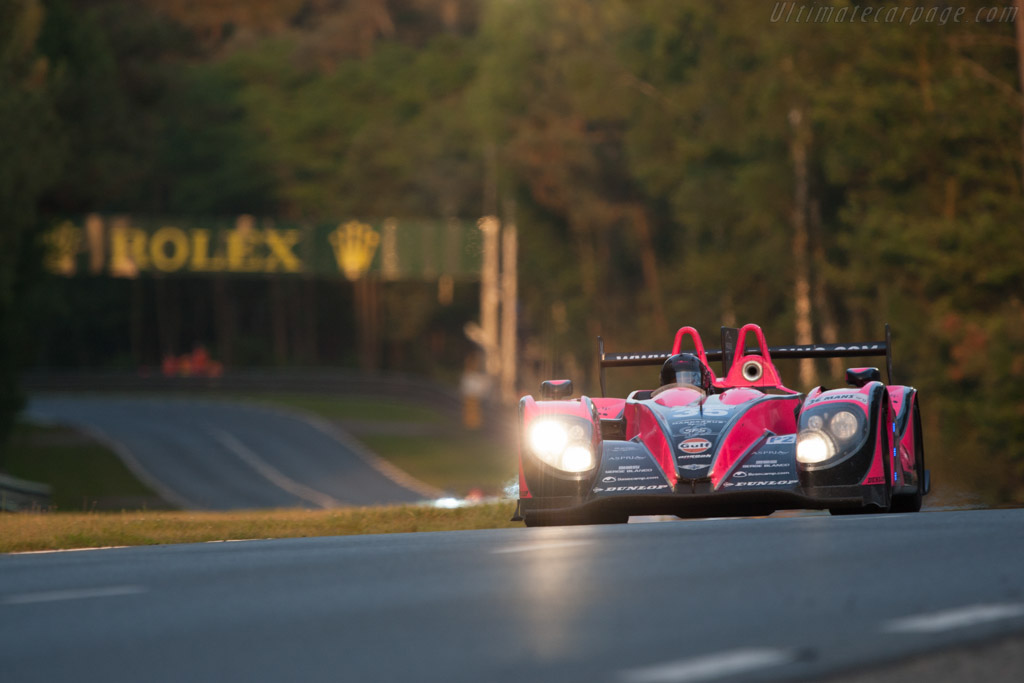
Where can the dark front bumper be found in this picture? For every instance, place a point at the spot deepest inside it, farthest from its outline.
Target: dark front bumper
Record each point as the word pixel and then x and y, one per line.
pixel 718 504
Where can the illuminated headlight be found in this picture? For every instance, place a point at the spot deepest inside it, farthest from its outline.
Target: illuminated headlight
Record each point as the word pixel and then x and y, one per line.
pixel 548 439
pixel 577 458
pixel 843 425
pixel 813 447
pixel 561 445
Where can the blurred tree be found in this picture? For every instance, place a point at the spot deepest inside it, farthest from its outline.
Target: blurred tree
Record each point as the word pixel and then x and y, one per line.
pixel 673 161
pixel 31 152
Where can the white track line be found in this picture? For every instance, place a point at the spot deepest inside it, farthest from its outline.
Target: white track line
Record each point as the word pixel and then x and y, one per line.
pixel 532 547
pixel 947 620
pixel 67 550
pixel 76 594
pixel 709 667
pixel 271 473
pixel 136 467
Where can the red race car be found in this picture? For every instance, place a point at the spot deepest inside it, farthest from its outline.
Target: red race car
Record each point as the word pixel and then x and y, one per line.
pixel 741 444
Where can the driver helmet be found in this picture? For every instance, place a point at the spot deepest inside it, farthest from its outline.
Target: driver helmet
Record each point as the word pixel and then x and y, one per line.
pixel 686 368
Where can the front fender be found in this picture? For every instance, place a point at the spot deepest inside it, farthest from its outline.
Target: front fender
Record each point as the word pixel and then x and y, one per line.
pixel 861 461
pixel 537 477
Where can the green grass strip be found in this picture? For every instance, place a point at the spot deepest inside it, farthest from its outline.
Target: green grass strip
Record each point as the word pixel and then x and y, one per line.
pixel 84 475
pixel 65 530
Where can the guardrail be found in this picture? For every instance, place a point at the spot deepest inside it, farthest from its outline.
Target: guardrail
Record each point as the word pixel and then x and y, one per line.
pixel 18 494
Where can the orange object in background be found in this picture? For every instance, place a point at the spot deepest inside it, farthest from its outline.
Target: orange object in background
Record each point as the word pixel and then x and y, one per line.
pixel 471 416
pixel 195 364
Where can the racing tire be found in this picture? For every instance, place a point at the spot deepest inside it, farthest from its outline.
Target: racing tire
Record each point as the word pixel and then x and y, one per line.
pixel 911 502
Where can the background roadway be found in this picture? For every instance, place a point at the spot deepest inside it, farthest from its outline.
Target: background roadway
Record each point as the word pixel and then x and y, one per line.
pixel 218 455
pixel 752 599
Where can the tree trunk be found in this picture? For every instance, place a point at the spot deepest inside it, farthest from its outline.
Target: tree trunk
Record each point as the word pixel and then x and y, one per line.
pixel 649 263
pixel 1019 21
pixel 490 295
pixel 829 328
pixel 509 312
pixel 802 289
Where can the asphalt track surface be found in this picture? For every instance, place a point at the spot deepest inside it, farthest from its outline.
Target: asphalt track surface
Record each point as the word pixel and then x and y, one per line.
pixel 735 599
pixel 218 455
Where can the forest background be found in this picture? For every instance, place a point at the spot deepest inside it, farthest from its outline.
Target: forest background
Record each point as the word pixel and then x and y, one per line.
pixel 668 162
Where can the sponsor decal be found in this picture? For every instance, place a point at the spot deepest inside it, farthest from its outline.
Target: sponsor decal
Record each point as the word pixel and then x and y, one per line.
pixel 692 467
pixel 636 356
pixel 788 438
pixel 615 489
pixel 846 396
pixel 629 469
pixel 692 423
pixel 608 479
pixel 773 482
pixel 875 480
pixel 774 473
pixel 694 431
pixel 694 445
pixel 778 452
pixel 699 456
pixel 833 347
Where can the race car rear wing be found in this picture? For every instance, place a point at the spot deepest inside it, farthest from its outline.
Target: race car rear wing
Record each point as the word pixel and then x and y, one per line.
pixel 730 337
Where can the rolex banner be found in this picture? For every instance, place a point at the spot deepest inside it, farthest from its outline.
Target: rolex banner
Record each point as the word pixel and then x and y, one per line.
pixel 391 249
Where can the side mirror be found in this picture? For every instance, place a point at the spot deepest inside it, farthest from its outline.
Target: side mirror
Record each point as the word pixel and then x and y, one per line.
pixel 858 377
pixel 556 388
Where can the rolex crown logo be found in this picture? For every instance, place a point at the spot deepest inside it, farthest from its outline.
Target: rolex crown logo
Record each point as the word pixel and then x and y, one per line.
pixel 354 245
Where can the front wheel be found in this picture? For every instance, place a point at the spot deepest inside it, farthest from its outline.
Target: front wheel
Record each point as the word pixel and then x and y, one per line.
pixel 911 502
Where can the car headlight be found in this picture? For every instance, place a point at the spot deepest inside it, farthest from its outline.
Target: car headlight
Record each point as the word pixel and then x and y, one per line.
pixel 561 445
pixel 548 438
pixel 829 432
pixel 813 447
pixel 577 458
pixel 844 425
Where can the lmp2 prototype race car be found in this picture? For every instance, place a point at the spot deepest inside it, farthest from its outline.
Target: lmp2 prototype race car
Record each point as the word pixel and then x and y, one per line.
pixel 741 444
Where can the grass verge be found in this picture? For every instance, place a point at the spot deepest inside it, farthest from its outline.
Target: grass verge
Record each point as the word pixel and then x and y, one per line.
pixel 53 531
pixel 85 475
pixel 457 463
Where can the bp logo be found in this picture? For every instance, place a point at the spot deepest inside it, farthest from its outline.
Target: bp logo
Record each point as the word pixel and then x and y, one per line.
pixel 694 445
